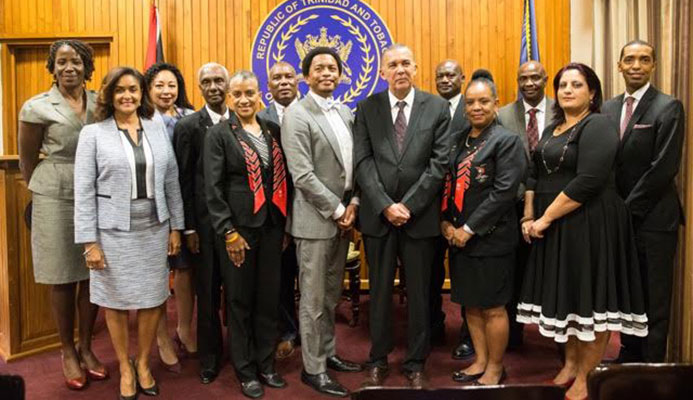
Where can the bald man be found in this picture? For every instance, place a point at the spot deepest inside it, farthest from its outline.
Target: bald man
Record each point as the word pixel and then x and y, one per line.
pixel 527 117
pixel 189 134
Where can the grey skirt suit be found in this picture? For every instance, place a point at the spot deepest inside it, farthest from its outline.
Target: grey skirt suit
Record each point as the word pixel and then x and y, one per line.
pixel 133 233
pixel 56 258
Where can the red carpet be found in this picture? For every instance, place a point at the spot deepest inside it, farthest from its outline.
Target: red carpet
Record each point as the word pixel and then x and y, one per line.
pixel 536 362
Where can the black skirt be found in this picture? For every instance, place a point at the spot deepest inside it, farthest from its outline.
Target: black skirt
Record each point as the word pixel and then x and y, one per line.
pixel 583 276
pixel 482 282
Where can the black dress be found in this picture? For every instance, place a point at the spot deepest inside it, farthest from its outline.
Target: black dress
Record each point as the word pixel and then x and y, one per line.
pixel 583 276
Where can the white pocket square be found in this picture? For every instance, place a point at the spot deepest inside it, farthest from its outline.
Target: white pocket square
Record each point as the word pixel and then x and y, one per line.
pixel 642 126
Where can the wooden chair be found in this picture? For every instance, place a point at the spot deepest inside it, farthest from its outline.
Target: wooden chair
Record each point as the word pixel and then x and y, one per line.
pixel 501 392
pixel 352 270
pixel 641 381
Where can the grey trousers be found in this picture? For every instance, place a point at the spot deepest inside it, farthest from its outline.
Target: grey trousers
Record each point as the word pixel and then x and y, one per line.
pixel 321 273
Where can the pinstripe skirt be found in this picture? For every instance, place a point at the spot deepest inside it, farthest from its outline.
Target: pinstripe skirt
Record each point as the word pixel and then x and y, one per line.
pixel 136 273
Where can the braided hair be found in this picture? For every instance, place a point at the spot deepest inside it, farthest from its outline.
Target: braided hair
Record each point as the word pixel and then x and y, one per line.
pixel 85 52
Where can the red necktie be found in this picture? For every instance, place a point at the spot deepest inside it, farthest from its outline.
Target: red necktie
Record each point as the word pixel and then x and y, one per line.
pixel 532 130
pixel 279 195
pixel 628 116
pixel 252 164
pixel 400 125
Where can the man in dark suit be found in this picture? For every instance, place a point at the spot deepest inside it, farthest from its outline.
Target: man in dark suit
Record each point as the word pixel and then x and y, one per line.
pixel 449 82
pixel 526 117
pixel 652 131
pixel 283 85
pixel 401 144
pixel 189 137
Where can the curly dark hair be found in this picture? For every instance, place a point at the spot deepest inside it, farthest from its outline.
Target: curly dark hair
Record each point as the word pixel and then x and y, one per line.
pixel 593 84
pixel 104 103
pixel 308 59
pixel 85 52
pixel 182 100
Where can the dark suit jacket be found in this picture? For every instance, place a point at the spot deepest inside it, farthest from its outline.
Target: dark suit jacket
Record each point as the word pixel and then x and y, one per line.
pixel 459 121
pixel 649 159
pixel 229 198
pixel 414 177
pixel 488 209
pixel 512 117
pixel 269 114
pixel 188 138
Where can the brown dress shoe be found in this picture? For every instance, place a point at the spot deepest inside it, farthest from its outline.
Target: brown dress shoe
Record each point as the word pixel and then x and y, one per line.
pixel 375 376
pixel 285 349
pixel 417 380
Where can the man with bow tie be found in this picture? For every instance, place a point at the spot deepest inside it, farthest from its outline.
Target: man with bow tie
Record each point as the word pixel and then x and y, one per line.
pixel 652 129
pixel 318 143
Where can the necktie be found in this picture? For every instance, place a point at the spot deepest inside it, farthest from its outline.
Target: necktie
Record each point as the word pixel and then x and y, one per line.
pixel 222 118
pixel 628 116
pixel 400 125
pixel 331 103
pixel 452 109
pixel 532 130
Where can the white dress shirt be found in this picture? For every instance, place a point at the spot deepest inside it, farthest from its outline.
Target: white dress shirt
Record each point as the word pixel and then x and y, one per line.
pixel 281 109
pixel 409 99
pixel 453 103
pixel 329 108
pixel 637 95
pixel 541 115
pixel 215 116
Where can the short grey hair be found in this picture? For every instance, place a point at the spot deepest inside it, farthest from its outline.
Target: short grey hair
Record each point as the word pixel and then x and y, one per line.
pixel 209 66
pixel 397 46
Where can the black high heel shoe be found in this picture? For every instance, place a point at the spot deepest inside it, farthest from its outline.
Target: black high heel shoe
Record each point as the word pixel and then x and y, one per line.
pixel 134 384
pixel 150 391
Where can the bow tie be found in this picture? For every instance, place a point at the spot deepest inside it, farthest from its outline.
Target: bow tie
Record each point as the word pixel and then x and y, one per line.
pixel 330 103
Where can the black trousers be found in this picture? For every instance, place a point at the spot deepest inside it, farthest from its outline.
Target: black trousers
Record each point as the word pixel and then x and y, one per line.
pixel 210 346
pixel 416 256
pixel 288 321
pixel 521 257
pixel 436 297
pixel 656 252
pixel 252 299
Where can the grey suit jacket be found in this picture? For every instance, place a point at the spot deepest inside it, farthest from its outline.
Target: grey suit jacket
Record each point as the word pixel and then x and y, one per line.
pixel 512 117
pixel 315 162
pixel 103 180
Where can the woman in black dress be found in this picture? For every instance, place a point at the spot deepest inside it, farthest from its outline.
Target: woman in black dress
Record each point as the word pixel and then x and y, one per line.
pixel 582 277
pixel 487 164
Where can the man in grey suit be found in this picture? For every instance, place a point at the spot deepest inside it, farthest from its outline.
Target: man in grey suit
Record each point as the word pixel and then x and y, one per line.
pixel 283 85
pixel 527 117
pixel 401 141
pixel 317 140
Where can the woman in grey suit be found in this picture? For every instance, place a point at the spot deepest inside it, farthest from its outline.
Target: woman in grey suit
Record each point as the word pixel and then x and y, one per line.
pixel 128 212
pixel 49 124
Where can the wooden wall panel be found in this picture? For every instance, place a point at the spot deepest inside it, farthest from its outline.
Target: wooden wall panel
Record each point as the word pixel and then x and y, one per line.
pixel 478 33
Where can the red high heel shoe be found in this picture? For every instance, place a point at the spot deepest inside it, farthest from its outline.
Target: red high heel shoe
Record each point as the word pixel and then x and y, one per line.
pixel 98 374
pixel 74 383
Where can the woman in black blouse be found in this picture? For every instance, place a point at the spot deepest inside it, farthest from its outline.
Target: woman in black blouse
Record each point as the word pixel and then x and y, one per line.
pixel 582 277
pixel 487 164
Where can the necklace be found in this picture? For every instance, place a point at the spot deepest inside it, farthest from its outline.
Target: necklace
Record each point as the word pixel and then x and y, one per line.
pixel 550 171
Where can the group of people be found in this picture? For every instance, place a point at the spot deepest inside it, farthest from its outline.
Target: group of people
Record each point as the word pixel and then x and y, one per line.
pixel 558 212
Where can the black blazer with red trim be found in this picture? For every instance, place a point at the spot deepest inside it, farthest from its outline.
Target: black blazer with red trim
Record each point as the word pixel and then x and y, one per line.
pixel 229 198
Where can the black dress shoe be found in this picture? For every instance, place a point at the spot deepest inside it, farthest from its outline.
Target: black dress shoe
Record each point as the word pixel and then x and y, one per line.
pixel 464 350
pixel 208 375
pixel 150 391
pixel 502 378
pixel 252 389
pixel 324 384
pixel 273 380
pixel 337 364
pixel 461 377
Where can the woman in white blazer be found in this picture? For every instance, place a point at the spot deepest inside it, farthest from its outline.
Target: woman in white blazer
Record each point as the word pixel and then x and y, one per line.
pixel 128 213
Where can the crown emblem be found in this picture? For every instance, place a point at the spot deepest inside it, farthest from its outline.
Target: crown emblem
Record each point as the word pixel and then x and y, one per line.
pixel 333 42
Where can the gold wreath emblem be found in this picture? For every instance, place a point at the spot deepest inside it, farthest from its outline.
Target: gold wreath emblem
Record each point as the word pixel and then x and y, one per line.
pixel 361 84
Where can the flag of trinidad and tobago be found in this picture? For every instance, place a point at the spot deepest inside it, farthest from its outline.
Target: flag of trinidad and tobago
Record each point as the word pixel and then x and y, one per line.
pixel 155 49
